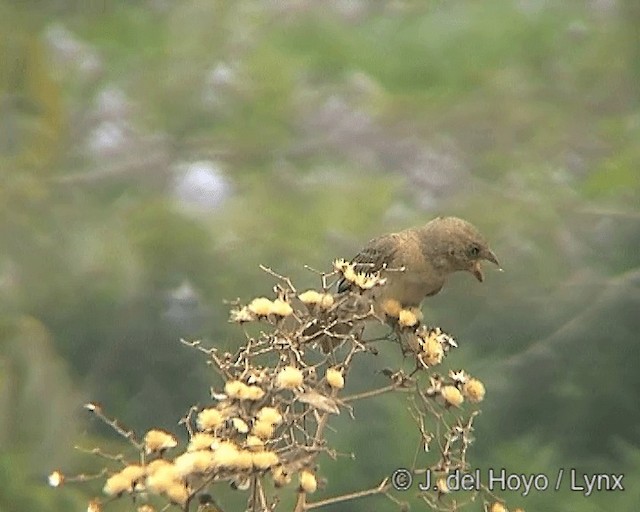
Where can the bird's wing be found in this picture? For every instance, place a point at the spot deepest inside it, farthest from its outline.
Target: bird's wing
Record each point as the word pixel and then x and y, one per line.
pixel 373 257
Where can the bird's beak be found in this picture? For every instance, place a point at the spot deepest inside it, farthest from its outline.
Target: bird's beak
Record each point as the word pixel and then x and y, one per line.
pixel 490 256
pixel 476 268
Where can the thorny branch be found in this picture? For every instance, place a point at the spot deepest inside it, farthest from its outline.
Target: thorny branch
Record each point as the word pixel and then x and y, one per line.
pixel 278 394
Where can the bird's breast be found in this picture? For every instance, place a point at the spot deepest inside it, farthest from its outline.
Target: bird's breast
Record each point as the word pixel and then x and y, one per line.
pixel 411 286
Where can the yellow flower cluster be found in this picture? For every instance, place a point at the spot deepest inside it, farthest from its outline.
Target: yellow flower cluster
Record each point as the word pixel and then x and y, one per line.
pixel 457 388
pixel 313 298
pixel 259 308
pixel 223 443
pixel 363 280
pixel 238 390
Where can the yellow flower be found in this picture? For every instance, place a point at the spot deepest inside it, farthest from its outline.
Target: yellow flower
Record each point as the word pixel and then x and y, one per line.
pixel 253 393
pixel 240 425
pixel 226 455
pixel 432 352
pixel 327 301
pixel 236 389
pixel 241 315
pixel 349 273
pixel 263 429
pixel 308 482
pixel 452 395
pixel 177 494
pixel 496 506
pixel 289 378
pixel 161 474
pixel 310 297
pixel 254 443
pixel 281 476
pixel 124 481
pixel 474 390
pixel 157 441
pixel 195 462
pixel 244 460
pixel 265 459
pixel 209 419
pixel 407 318
pixel 200 441
pixel 260 306
pixel 392 308
pixel 56 479
pixel 281 308
pixel 335 378
pixel 269 415
pixel 94 506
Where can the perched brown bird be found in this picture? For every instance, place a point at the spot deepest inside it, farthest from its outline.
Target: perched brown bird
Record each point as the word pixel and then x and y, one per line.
pixel 420 259
pixel 417 261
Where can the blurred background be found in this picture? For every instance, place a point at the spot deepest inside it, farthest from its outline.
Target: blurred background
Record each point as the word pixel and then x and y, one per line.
pixel 153 153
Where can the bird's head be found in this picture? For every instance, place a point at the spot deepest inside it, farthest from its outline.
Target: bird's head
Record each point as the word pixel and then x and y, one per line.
pixel 464 246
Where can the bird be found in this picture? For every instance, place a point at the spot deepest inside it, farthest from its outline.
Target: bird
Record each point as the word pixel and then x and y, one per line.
pixel 416 262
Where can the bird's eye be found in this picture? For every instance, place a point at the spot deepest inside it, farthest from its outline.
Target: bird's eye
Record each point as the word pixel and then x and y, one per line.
pixel 474 250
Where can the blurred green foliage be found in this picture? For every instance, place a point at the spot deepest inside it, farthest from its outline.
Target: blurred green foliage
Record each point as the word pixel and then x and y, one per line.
pixel 328 121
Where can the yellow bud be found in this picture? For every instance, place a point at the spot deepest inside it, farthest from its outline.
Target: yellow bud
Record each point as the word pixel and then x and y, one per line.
pixel 474 390
pixel 225 455
pixel 264 459
pixel 254 443
pixel 209 419
pixel 240 425
pixel 156 441
pixel 281 308
pixel 194 462
pixel 308 482
pixel 269 415
pixel 310 297
pixel 244 460
pixel 496 506
pixel 161 475
pixel 178 494
pixel 253 393
pixel 335 378
pixel 96 506
pixel 407 318
pixel 261 306
pixel 236 389
pixel 327 301
pixel 56 479
pixel 200 441
pixel 452 395
pixel 124 481
pixel 263 429
pixel 289 378
pixel 391 307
